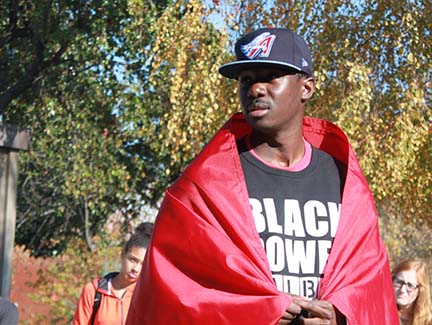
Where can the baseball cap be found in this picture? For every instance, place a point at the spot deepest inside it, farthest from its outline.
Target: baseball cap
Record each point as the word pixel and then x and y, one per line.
pixel 269 47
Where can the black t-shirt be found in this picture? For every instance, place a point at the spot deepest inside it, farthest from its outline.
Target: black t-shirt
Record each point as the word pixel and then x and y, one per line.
pixel 296 215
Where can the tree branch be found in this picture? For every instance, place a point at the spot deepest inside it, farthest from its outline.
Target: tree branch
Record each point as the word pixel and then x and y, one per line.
pixel 31 75
pixel 87 227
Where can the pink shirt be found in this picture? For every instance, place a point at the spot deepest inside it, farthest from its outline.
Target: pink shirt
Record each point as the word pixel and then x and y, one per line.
pixel 298 166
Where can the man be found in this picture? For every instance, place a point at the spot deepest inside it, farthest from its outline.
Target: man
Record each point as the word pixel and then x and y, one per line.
pixel 273 223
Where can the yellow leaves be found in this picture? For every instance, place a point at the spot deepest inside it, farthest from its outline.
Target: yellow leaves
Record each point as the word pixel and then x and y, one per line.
pixel 355 105
pixel 410 58
pixel 346 43
pixel 320 80
pixel 407 19
pixel 135 7
pixel 189 53
pixel 391 158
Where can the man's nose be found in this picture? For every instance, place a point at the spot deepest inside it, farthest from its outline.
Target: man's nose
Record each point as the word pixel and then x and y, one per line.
pixel 257 89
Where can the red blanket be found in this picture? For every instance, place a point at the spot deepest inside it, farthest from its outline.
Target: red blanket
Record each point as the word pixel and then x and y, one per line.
pixel 206 264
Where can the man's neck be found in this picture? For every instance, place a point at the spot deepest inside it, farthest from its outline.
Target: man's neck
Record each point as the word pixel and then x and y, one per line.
pixel 283 151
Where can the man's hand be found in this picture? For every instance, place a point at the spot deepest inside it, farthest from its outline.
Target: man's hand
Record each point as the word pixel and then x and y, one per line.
pixel 290 313
pixel 293 310
pixel 320 312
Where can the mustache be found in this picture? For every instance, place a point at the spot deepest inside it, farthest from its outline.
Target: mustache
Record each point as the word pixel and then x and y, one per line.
pixel 258 103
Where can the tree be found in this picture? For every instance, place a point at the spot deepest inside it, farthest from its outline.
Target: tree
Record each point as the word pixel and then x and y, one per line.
pixel 183 106
pixel 136 94
pixel 62 65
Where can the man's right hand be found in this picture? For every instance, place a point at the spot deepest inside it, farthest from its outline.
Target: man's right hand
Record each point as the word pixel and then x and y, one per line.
pixel 292 311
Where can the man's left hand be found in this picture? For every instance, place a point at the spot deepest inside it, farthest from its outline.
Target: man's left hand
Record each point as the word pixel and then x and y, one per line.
pixel 320 312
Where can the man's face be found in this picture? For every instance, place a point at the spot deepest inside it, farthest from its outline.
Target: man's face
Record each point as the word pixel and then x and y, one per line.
pixel 271 99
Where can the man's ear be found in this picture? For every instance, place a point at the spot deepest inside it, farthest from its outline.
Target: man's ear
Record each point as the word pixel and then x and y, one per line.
pixel 308 88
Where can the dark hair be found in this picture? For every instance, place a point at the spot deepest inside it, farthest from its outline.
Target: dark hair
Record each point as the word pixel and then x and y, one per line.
pixel 141 237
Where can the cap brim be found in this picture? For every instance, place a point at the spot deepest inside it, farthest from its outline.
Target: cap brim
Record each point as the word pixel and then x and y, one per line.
pixel 233 69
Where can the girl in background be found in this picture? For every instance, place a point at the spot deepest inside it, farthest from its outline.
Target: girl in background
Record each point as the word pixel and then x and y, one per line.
pixel 106 300
pixel 412 291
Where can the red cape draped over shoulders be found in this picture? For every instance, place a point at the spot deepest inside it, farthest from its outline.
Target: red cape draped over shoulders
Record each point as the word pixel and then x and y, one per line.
pixel 206 264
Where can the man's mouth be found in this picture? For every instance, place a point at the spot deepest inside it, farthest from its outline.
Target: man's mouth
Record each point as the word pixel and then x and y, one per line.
pixel 257 107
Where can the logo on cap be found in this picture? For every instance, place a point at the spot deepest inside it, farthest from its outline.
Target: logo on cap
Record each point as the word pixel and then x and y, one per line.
pixel 260 46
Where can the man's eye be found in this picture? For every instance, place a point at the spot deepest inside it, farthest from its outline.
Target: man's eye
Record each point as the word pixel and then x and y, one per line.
pixel 245 81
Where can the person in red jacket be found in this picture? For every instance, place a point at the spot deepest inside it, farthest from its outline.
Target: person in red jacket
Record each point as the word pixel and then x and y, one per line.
pixel 106 300
pixel 273 222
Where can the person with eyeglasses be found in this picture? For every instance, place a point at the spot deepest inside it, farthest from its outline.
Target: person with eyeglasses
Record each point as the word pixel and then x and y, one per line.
pixel 412 292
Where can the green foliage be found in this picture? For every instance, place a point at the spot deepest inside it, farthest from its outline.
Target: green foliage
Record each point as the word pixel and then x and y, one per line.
pixel 46 38
pixel 92 181
pixel 68 72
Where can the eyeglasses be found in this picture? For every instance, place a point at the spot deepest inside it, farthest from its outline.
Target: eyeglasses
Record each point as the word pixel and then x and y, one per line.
pixel 398 284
